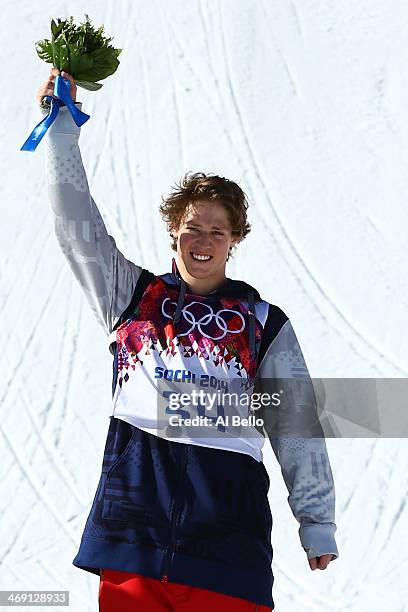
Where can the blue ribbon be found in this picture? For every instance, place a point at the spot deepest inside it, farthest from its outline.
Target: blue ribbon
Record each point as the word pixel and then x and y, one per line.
pixel 62 91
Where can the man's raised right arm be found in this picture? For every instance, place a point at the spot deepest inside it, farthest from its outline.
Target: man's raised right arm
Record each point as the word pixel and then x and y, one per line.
pixel 106 276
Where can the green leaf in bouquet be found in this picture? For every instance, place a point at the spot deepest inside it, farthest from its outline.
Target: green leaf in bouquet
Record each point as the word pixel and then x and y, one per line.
pixel 89 86
pixel 104 63
pixel 80 64
pixel 62 25
pixel 56 53
pixel 56 29
pixel 44 50
pixel 65 55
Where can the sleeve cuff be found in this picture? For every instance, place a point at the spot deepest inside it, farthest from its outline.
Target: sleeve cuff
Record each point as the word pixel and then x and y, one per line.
pixel 64 123
pixel 318 539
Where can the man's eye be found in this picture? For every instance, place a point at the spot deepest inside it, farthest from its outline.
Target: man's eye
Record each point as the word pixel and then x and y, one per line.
pixel 192 228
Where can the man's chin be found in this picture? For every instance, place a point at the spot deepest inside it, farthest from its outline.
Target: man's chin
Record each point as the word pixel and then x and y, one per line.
pixel 199 274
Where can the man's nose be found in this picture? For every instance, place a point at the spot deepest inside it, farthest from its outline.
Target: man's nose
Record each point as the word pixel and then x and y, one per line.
pixel 204 238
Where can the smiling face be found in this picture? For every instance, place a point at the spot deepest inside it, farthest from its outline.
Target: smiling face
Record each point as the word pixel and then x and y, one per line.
pixel 203 241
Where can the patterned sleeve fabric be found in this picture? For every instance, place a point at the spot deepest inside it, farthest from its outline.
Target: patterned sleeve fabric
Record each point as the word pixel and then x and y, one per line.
pixel 107 278
pixel 303 458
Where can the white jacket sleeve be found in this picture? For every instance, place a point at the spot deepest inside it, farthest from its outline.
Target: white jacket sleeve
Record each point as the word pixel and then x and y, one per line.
pixel 107 278
pixel 303 459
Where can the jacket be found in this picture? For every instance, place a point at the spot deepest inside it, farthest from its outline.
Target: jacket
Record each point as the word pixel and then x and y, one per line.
pixel 173 502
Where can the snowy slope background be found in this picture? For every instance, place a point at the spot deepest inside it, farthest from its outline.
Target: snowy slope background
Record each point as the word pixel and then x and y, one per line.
pixel 304 103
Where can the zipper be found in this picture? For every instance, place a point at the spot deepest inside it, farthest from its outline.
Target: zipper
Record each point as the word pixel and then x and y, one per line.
pixel 174 516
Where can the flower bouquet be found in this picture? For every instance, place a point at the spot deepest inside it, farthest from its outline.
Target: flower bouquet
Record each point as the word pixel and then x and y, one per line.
pixel 86 54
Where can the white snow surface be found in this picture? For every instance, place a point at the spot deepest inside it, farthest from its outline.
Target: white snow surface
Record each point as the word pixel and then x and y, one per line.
pixel 304 104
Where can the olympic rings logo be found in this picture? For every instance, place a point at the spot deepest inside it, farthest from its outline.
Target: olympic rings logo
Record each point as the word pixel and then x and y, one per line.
pixel 206 319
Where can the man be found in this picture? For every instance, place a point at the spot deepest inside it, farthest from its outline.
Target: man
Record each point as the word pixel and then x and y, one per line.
pixel 180 519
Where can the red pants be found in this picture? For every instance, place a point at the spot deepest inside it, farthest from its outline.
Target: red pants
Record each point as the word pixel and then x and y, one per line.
pixel 127 592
